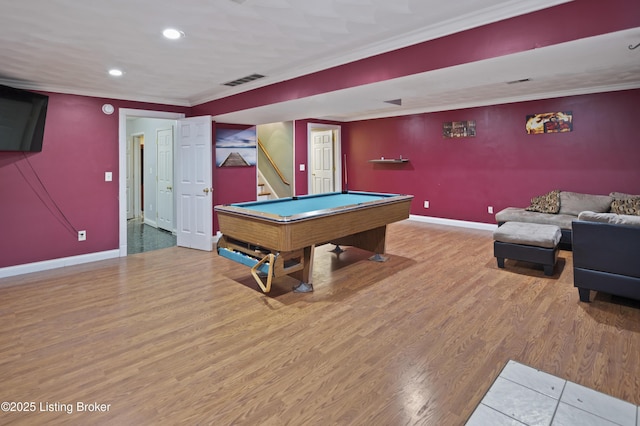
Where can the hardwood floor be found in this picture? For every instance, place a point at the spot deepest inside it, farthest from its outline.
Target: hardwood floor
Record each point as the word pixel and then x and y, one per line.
pixel 178 336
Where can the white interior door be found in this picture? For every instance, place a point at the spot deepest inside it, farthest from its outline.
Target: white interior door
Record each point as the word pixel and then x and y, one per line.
pixel 194 183
pixel 322 167
pixel 165 179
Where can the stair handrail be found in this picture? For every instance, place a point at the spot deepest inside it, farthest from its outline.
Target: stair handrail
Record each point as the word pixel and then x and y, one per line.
pixel 273 164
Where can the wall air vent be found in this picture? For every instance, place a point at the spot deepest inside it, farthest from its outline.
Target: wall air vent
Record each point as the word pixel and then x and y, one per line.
pixel 243 80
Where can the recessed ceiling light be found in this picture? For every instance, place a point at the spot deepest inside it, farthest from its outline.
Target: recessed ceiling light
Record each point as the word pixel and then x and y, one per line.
pixel 115 72
pixel 172 34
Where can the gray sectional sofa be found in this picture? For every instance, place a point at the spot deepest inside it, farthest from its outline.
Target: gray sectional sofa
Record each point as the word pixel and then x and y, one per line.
pixel 606 254
pixel 603 232
pixel 559 208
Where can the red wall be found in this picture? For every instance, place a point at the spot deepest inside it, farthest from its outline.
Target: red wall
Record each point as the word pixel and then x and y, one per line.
pixel 502 166
pixel 300 156
pixel 232 184
pixel 80 145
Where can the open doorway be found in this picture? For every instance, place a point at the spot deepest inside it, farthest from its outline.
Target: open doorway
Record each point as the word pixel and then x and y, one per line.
pixel 150 206
pixel 139 192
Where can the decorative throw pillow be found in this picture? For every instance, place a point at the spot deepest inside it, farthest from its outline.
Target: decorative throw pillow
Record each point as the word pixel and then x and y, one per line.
pixel 574 202
pixel 628 206
pixel 547 203
pixel 622 196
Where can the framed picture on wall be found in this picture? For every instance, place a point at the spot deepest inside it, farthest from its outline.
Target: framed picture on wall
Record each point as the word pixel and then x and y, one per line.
pixel 549 122
pixel 236 148
pixel 458 129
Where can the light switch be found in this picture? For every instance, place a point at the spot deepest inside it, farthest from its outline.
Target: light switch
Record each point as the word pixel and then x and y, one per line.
pixel 108 176
pixel 302 167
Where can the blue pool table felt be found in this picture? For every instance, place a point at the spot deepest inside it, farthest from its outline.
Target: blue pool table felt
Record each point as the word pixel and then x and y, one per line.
pixel 304 204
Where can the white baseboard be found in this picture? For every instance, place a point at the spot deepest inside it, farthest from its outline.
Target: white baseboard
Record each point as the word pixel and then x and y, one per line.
pixel 45 265
pixel 10 271
pixel 453 222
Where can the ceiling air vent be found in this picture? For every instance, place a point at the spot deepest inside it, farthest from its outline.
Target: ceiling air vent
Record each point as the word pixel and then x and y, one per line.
pixel 524 80
pixel 243 80
pixel 394 102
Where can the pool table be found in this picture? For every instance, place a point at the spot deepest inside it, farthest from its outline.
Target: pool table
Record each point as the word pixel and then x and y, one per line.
pixel 277 237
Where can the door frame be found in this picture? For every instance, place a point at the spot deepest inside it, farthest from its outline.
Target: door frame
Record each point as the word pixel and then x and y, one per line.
pixel 337 153
pixel 124 113
pixel 136 169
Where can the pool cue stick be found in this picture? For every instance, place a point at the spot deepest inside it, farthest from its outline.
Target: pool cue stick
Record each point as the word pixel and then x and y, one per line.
pixel 346 180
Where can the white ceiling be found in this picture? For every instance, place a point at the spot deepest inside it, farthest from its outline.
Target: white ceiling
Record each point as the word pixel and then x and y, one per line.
pixel 68 46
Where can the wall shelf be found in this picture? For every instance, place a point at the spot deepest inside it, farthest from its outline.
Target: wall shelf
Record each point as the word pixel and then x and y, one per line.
pixel 390 160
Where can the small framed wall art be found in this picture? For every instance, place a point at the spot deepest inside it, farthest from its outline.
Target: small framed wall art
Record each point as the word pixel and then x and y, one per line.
pixel 549 122
pixel 458 129
pixel 236 148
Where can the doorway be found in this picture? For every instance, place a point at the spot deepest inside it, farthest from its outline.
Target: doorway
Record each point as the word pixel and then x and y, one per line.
pixel 324 158
pixel 138 201
pixel 150 203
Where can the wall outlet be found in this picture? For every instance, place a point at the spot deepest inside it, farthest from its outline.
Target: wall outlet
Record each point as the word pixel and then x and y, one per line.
pixel 426 204
pixel 82 235
pixel 490 209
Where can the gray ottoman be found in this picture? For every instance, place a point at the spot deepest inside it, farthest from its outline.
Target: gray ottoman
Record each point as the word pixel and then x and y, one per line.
pixel 529 242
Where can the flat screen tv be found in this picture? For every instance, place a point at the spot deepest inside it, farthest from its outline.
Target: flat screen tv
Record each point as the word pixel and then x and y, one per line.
pixel 22 117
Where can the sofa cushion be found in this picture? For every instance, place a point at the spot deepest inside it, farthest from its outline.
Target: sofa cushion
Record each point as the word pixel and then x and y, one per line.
pixel 547 203
pixel 530 234
pixel 574 203
pixel 613 218
pixel 515 214
pixel 627 206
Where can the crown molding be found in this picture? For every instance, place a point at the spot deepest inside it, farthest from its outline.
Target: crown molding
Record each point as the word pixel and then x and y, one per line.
pixel 458 24
pixel 94 94
pixel 489 102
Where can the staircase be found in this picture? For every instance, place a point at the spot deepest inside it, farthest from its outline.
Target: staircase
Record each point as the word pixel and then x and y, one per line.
pixel 272 184
pixel 263 193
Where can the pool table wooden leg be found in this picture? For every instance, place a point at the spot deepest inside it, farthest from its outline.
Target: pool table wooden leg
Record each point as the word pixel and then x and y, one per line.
pixel 305 274
pixel 372 240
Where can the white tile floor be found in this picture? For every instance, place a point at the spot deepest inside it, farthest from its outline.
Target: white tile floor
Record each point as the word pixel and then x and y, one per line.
pixel 522 395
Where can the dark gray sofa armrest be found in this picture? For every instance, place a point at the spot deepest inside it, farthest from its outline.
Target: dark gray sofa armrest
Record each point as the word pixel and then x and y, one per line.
pixel 606 247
